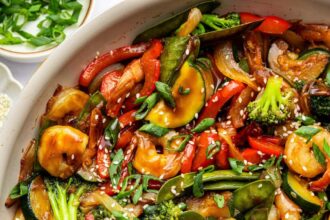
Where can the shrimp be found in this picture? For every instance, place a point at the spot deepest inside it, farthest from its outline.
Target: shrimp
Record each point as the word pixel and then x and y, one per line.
pixel 286 208
pixel 66 101
pixel 315 33
pixel 133 74
pixel 148 161
pixel 61 150
pixel 299 154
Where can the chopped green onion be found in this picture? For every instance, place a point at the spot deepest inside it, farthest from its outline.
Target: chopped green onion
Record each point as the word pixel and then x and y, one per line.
pixel 165 92
pixel 154 130
pixel 182 145
pixel 203 125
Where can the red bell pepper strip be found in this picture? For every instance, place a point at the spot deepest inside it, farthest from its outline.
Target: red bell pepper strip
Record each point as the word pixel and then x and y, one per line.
pixel 247 17
pixel 322 183
pixel 272 139
pixel 274 25
pixel 215 103
pixel 200 160
pixel 188 156
pixel 151 69
pixel 127 118
pixel 251 155
pixel 109 82
pixel 221 159
pixel 111 57
pixel 125 137
pixel 253 129
pixel 271 24
pixel 103 159
pixel 265 147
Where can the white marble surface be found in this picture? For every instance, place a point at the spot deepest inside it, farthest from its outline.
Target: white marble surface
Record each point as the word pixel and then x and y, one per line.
pixel 23 71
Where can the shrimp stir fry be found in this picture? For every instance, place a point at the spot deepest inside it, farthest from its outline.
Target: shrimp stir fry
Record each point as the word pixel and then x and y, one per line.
pixel 204 116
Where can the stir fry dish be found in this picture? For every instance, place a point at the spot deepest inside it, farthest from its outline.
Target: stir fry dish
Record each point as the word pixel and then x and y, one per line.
pixel 204 116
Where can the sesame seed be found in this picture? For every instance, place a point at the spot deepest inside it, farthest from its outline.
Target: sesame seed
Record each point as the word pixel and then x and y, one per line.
pixel 260 185
pixel 196 115
pixel 287 215
pixel 304 168
pixel 118 100
pixel 72 157
pixel 240 100
pixel 137 95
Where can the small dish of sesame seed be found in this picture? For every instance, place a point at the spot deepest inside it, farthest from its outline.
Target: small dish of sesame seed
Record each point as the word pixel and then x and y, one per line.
pixel 10 89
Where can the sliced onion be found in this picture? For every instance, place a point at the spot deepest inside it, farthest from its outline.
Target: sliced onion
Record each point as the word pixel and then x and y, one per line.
pixel 234 152
pixel 194 17
pixel 224 60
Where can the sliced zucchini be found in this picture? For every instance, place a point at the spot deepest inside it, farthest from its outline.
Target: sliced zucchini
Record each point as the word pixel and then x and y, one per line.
pixel 36 205
pixel 186 105
pixel 297 190
pixel 310 52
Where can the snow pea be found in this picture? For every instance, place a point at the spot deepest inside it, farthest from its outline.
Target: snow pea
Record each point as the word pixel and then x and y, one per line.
pixel 168 26
pixel 176 186
pixel 224 185
pixel 252 194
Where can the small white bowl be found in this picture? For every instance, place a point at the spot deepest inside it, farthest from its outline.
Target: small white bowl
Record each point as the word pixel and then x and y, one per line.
pixel 10 87
pixel 8 84
pixel 28 54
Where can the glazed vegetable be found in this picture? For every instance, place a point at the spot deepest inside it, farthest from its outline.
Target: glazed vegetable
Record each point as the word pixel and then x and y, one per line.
pixel 297 190
pixel 182 182
pixel 208 207
pixel 219 98
pixel 165 116
pixel 36 204
pixel 265 146
pixel 224 60
pixel 163 211
pixel 171 24
pixel 271 24
pixel 109 58
pixel 273 105
pixel 215 22
pixel 64 202
pixel 194 17
pixel 61 149
pixel 252 194
pixel 173 57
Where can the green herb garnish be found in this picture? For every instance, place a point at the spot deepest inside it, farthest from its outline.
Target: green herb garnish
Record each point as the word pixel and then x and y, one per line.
pixel 154 130
pixel 165 92
pixel 203 125
pixel 236 165
pixel 219 200
pixel 307 132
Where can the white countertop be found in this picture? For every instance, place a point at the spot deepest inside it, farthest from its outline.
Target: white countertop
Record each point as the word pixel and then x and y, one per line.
pixel 24 71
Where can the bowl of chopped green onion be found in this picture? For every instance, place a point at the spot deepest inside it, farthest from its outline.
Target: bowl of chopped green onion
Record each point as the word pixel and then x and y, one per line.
pixel 31 29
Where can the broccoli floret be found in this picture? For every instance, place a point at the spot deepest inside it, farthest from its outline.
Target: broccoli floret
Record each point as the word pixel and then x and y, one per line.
pixel 273 107
pixel 218 23
pixel 64 196
pixel 166 210
pixel 320 106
